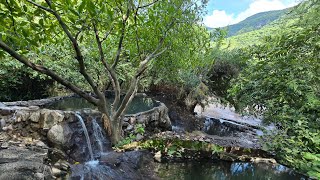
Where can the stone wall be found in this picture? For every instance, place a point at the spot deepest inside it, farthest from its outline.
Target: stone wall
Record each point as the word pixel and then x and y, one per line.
pixel 154 120
pixel 57 125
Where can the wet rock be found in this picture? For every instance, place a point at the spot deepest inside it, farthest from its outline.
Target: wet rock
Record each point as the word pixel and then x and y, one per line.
pixel 57 172
pixel 60 135
pixel 119 166
pixel 61 164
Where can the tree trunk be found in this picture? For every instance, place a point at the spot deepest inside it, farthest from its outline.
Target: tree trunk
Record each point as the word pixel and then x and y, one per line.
pixel 113 127
pixel 116 135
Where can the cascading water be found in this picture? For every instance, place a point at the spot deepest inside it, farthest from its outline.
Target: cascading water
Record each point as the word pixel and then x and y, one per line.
pixel 86 135
pixel 92 169
pixel 100 139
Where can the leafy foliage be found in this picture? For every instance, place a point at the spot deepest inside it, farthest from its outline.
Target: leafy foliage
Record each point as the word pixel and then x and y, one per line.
pixel 88 46
pixel 282 81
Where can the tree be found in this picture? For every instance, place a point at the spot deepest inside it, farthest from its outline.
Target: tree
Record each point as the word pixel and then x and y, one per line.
pixel 96 39
pixel 282 80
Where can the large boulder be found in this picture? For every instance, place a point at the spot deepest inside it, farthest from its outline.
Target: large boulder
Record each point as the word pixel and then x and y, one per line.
pixel 60 135
pixel 49 118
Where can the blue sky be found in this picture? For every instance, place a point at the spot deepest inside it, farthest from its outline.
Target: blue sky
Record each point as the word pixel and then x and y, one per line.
pixel 225 12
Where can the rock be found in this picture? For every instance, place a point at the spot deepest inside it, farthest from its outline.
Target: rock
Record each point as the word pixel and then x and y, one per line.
pixel 5 111
pixel 129 128
pixel 39 175
pixel 22 163
pixel 2 123
pixel 5 145
pixel 49 118
pixel 56 172
pixel 125 124
pixel 22 115
pixel 61 164
pixel 60 135
pixel 157 156
pixel 41 144
pixel 139 137
pixel 131 165
pixel 132 120
pixel 35 116
pixel 8 128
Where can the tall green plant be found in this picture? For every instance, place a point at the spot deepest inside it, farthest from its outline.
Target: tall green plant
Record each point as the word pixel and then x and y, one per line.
pixel 282 81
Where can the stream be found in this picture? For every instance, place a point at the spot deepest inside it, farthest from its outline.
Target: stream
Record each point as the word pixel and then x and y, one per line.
pixel 187 170
pixel 95 168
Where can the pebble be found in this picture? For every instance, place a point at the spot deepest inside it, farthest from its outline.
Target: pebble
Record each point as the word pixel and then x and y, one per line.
pixel 41 144
pixel 39 175
pixel 56 172
pixel 139 137
pixel 5 145
pixel 2 123
pixel 129 128
pixel 157 156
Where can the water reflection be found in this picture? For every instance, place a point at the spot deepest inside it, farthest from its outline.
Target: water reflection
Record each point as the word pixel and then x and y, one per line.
pixel 225 171
pixel 138 104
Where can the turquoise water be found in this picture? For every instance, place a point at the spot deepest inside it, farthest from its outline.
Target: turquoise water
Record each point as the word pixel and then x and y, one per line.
pixel 138 104
pixel 222 170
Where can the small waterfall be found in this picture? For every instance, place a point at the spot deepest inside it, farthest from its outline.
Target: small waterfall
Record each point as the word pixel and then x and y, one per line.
pixel 98 135
pixel 87 135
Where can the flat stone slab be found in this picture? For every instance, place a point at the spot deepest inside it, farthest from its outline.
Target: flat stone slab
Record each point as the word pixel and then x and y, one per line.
pixel 24 163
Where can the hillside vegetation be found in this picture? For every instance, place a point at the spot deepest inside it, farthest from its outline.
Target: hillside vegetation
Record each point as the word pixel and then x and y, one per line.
pixel 255 22
pixel 253 35
pixel 275 72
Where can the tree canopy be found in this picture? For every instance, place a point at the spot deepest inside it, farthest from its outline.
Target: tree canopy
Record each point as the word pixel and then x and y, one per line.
pixel 86 45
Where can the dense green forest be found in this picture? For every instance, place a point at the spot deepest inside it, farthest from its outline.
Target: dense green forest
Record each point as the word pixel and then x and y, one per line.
pixel 275 71
pixel 267 65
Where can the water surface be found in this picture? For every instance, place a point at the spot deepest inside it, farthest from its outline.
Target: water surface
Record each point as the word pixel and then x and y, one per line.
pixel 138 104
pixel 222 170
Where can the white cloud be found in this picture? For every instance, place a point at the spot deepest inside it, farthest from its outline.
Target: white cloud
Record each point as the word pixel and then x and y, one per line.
pixel 219 18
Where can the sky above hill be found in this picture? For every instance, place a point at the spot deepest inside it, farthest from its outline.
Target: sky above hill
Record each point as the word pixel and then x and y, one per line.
pixel 226 12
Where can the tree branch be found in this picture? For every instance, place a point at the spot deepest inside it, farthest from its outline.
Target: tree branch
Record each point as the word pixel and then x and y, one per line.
pixel 144 6
pixel 41 7
pixel 124 21
pixel 107 34
pixel 112 75
pixel 74 42
pixel 48 72
pixel 136 32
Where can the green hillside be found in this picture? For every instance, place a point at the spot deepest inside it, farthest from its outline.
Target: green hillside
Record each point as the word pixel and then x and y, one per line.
pixel 255 22
pixel 283 23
